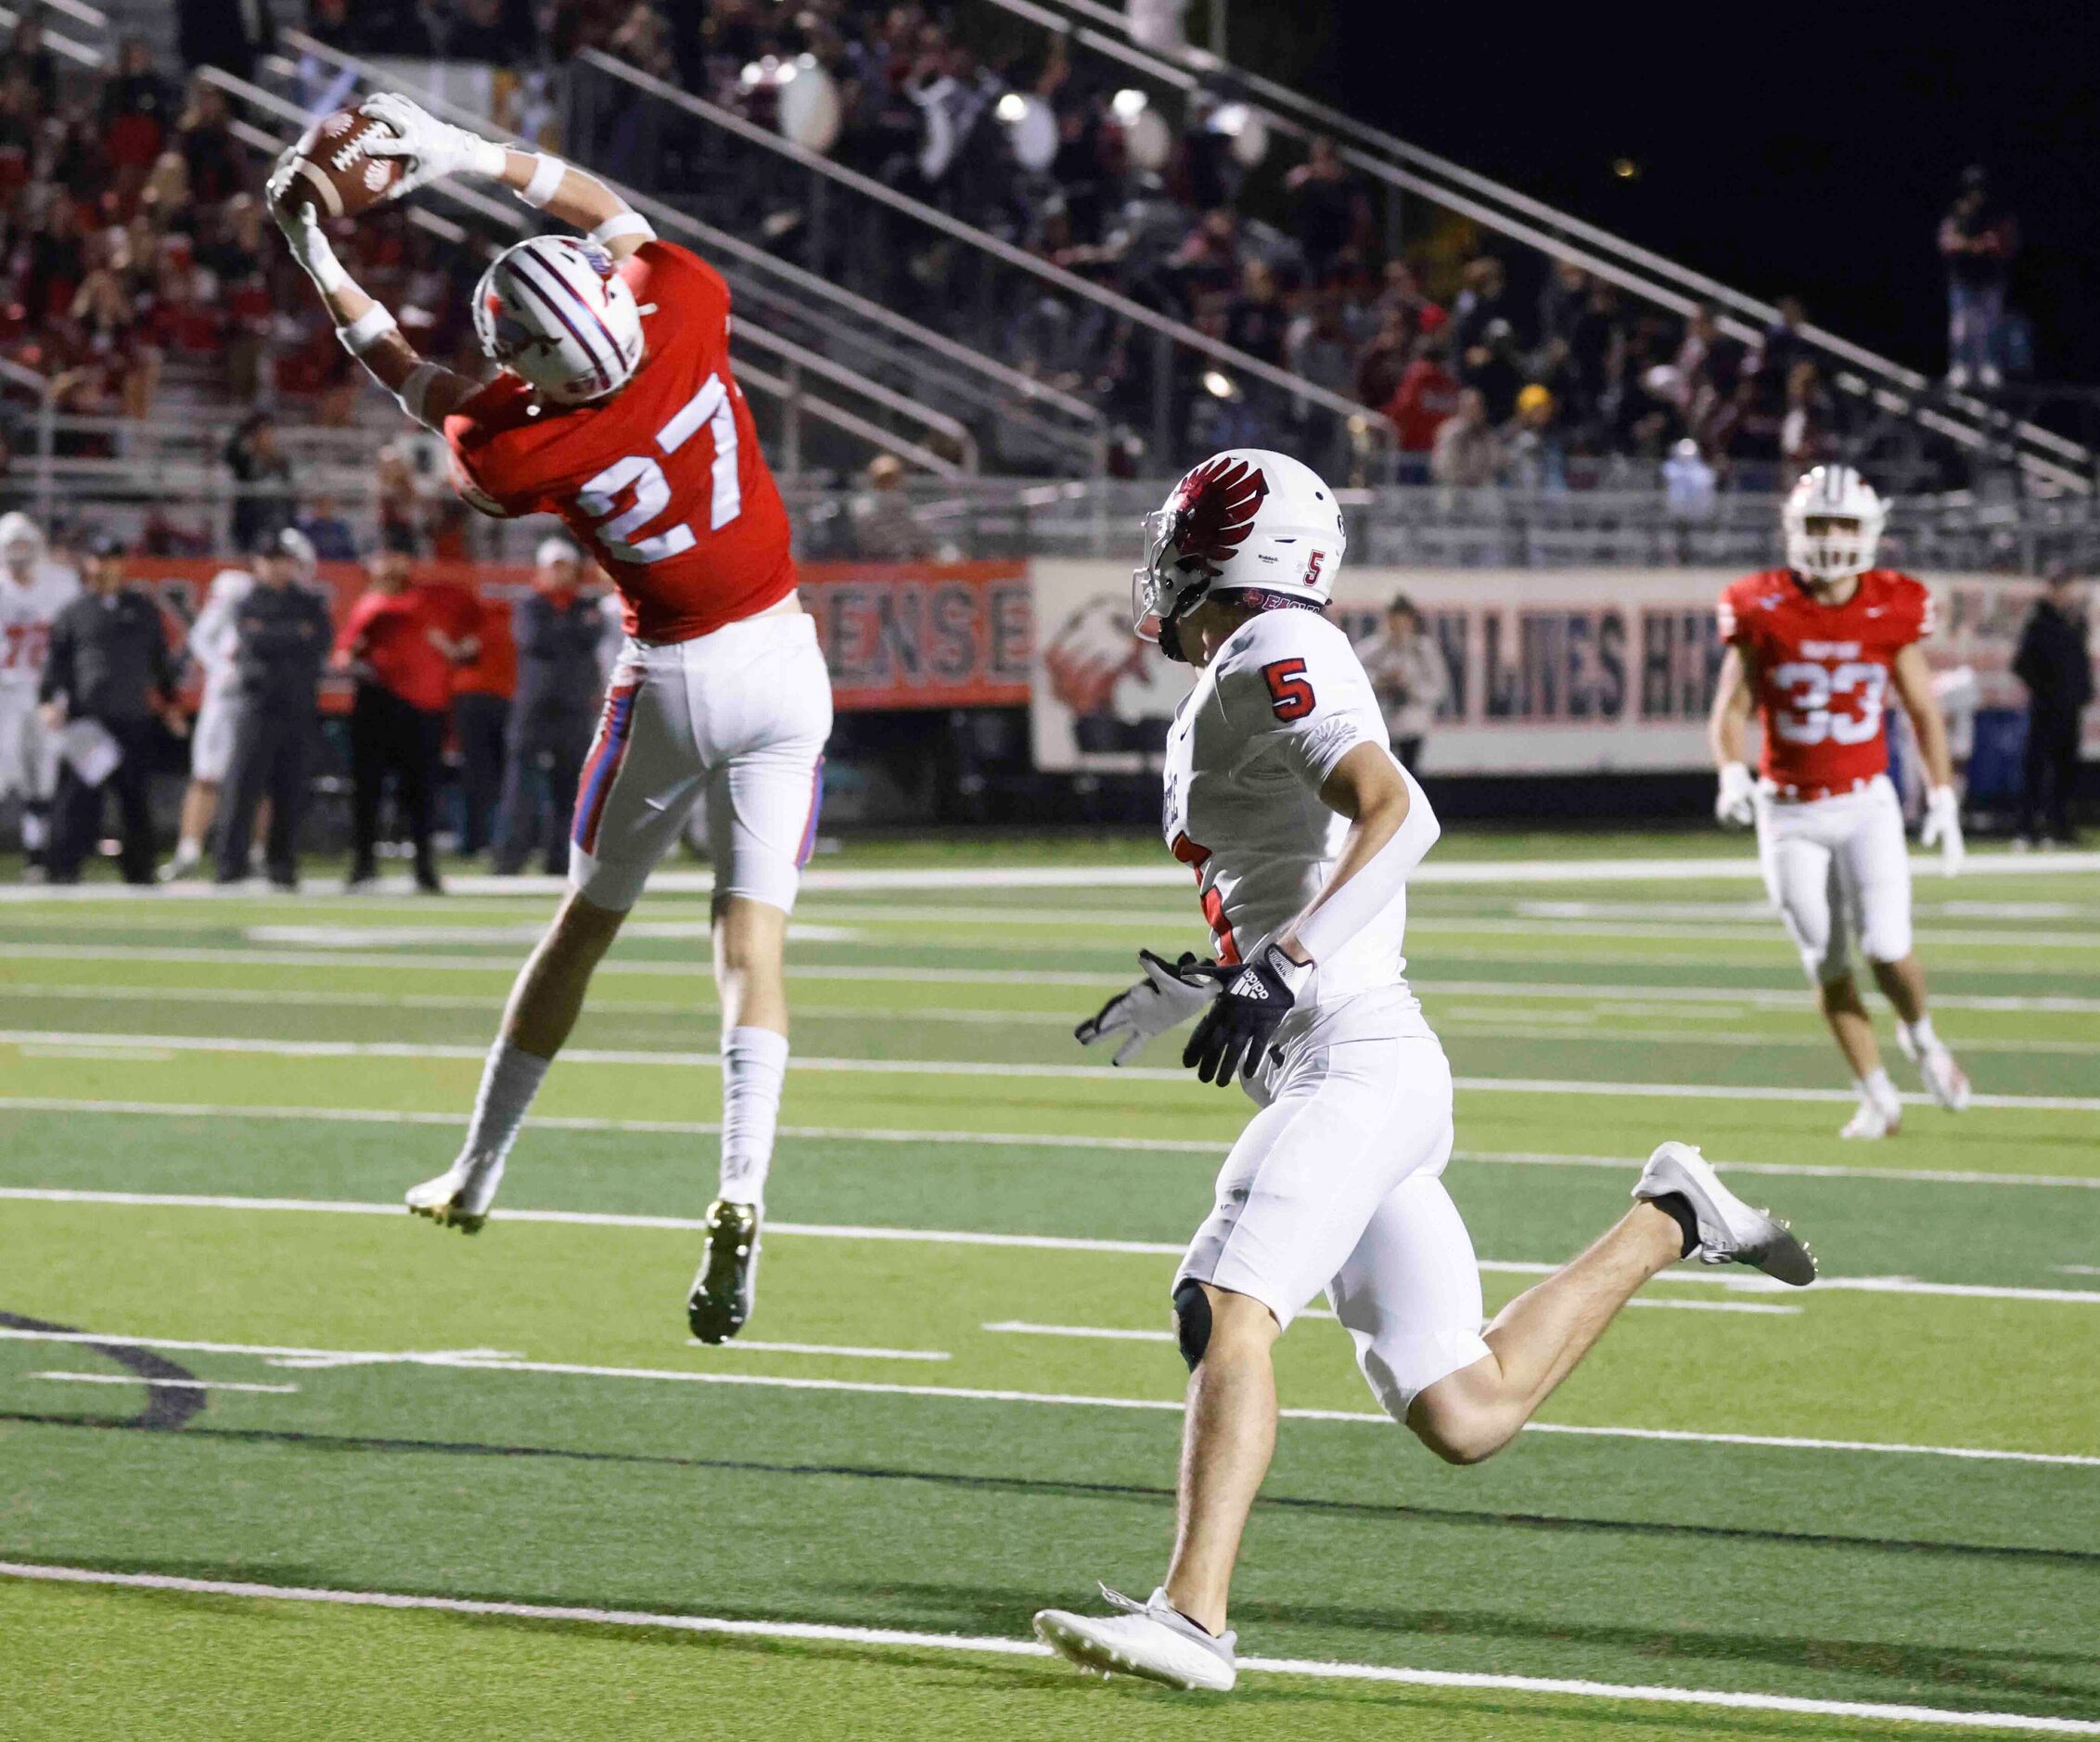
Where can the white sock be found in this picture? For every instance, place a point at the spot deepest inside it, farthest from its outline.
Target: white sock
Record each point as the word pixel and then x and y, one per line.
pixel 755 1065
pixel 510 1080
pixel 1876 1087
pixel 188 847
pixel 1922 1035
pixel 36 829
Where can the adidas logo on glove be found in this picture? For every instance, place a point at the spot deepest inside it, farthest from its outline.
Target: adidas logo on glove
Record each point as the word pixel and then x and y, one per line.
pixel 1249 985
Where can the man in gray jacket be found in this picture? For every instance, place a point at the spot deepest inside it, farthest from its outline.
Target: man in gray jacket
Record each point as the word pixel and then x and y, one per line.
pixel 556 627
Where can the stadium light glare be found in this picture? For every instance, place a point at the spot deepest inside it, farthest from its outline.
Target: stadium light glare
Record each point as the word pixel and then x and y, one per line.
pixel 1011 107
pixel 1127 105
pixel 1220 384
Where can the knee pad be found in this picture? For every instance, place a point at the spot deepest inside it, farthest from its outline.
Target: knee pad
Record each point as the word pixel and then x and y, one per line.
pixel 1192 1321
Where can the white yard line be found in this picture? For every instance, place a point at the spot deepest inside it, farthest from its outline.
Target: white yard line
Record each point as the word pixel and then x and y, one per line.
pixel 1449 869
pixel 700 1005
pixel 256 1044
pixel 994 1645
pixel 852 1350
pixel 997 1141
pixel 172 1385
pixel 1529 1025
pixel 1729 1278
pixel 506 965
pixel 465 1362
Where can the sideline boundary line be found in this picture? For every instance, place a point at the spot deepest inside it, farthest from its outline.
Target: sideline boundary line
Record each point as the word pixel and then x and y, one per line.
pixel 475 1361
pixel 1740 1281
pixel 990 1139
pixel 87 1043
pixel 994 1644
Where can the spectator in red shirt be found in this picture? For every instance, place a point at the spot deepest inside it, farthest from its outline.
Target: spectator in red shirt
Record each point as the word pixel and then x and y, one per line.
pixel 1427 396
pixel 394 642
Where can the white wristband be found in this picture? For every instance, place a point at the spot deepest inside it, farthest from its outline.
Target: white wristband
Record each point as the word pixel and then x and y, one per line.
pixel 624 224
pixel 367 330
pixel 547 173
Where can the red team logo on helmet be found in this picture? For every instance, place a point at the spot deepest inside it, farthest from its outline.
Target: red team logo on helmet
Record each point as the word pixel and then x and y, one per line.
pixel 1214 511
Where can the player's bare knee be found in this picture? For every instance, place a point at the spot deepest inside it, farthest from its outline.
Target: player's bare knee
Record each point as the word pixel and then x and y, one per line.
pixel 1210 1321
pixel 584 930
pixel 1458 1433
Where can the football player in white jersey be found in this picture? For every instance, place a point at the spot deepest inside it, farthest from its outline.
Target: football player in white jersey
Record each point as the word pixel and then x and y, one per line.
pixel 34 589
pixel 1301 828
pixel 213 642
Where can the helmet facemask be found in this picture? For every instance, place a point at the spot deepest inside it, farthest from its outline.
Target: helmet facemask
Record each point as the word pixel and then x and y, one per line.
pixel 1832 523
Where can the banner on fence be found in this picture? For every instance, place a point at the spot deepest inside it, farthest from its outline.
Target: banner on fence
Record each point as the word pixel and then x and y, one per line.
pixel 1579 670
pixel 895 636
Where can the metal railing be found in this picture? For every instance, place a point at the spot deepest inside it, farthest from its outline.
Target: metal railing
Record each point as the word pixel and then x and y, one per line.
pixel 910 357
pixel 170 473
pixel 1232 368
pixel 81 54
pixel 1974 424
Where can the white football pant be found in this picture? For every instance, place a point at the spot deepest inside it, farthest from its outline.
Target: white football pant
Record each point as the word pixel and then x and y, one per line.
pixel 735 720
pixel 1838 869
pixel 1336 1184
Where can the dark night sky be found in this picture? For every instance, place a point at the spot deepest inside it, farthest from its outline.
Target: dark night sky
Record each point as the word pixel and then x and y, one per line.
pixel 1809 148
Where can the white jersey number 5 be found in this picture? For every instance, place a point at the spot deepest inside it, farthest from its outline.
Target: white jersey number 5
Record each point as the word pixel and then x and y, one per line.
pixel 710 406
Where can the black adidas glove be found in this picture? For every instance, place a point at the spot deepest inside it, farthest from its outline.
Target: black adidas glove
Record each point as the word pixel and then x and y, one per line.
pixel 1253 998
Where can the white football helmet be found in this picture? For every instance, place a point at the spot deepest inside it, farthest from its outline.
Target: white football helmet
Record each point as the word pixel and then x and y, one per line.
pixel 1246 519
pixel 1850 517
pixel 21 543
pixel 554 311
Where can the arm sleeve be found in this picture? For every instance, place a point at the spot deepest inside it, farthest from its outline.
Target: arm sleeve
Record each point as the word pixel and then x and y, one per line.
pixel 1377 882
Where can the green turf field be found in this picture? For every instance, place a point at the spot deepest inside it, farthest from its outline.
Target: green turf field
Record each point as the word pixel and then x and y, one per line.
pixel 228 1358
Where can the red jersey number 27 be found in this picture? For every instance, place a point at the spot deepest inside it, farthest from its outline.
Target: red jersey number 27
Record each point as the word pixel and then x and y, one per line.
pixel 643 474
pixel 1289 689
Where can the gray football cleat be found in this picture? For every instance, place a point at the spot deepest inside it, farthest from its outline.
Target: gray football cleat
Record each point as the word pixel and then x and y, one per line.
pixel 1152 1640
pixel 726 1288
pixel 460 1197
pixel 1729 1231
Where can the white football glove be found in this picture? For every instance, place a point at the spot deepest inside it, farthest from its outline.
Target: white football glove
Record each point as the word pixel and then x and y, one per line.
pixel 302 231
pixel 1943 828
pixel 1736 803
pixel 1162 1000
pixel 429 148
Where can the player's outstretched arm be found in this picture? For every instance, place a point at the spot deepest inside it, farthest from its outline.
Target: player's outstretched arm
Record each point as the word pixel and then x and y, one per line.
pixel 427 391
pixel 430 148
pixel 1727 732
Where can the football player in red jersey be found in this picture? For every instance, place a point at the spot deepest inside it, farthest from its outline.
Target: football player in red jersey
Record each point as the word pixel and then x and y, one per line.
pixel 615 409
pixel 1815 648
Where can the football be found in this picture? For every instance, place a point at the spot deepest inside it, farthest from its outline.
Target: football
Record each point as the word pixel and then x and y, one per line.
pixel 338 177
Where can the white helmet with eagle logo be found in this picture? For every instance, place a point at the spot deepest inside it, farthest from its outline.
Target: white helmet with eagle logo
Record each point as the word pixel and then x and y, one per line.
pixel 1249 518
pixel 554 310
pixel 1833 520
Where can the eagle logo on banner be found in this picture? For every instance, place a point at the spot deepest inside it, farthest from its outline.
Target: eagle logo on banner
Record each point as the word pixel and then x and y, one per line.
pixel 1214 510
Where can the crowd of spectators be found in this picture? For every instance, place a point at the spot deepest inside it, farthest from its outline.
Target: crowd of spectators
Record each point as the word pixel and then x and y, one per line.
pixel 140 275
pixel 134 252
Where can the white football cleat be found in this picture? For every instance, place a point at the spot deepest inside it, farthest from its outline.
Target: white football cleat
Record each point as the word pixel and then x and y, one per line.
pixel 1729 1231
pixel 460 1197
pixel 1946 1080
pixel 1152 1640
pixel 1871 1120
